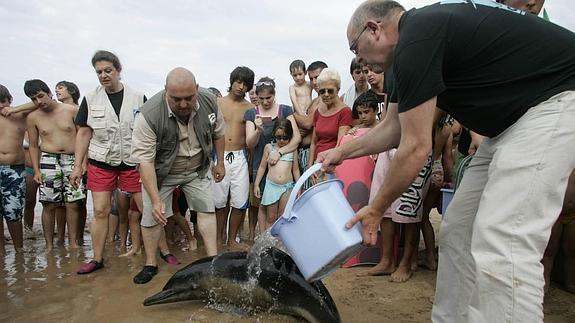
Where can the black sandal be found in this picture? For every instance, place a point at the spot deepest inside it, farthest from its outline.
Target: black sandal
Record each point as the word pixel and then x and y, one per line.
pixel 146 274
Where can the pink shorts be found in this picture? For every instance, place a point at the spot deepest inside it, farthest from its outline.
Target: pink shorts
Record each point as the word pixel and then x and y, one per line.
pixel 105 180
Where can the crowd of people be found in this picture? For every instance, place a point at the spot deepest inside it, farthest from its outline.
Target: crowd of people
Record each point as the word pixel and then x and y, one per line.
pixel 189 150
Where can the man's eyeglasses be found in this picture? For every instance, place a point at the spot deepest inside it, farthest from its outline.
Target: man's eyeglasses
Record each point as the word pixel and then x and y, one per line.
pixel 329 91
pixel 286 138
pixel 353 47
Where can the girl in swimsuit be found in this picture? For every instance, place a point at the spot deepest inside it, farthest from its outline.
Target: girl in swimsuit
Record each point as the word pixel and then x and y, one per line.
pixel 280 177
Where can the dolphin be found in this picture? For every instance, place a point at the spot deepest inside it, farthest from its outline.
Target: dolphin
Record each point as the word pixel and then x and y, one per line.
pixel 233 278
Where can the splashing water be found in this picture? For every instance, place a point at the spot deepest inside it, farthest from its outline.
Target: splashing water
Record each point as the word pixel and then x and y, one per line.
pixel 263 242
pixel 248 292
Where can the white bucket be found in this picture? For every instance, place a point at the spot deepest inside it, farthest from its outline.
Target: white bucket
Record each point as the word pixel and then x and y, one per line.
pixel 446 196
pixel 313 227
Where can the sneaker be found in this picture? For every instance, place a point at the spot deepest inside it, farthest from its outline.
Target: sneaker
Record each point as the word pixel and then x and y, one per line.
pixel 170 259
pixel 146 274
pixel 91 267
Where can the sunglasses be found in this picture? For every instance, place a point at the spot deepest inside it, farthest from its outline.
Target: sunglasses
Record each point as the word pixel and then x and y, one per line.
pixel 267 83
pixel 329 91
pixel 286 138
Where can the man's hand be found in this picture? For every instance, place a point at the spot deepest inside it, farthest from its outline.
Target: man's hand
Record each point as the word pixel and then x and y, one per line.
pixel 76 176
pixel 159 212
pixel 6 111
pixel 257 192
pixel 218 171
pixel 330 158
pixel 274 157
pixel 370 219
pixel 476 140
pixel 38 178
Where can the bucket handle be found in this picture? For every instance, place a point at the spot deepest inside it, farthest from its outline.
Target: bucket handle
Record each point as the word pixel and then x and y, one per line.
pixel 286 216
pixel 303 178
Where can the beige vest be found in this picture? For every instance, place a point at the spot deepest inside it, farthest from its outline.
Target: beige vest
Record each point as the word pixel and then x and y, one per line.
pixel 112 138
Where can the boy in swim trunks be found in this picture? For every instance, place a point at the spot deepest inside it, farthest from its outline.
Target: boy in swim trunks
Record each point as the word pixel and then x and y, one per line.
pixel 12 178
pixel 235 185
pixel 52 124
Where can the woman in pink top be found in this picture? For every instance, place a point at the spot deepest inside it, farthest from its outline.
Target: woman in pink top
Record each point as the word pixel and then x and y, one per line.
pixel 332 120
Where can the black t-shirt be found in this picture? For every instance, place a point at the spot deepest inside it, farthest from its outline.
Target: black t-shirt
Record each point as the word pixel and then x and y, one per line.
pixel 389 85
pixel 82 121
pixel 486 63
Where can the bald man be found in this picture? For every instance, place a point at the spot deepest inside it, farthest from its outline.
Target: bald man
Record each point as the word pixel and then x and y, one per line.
pixel 173 138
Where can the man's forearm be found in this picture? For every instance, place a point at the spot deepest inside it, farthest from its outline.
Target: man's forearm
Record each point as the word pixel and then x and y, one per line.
pixel 34 151
pixel 83 137
pixel 382 137
pixel 26 107
pixel 149 181
pixel 219 146
pixel 304 121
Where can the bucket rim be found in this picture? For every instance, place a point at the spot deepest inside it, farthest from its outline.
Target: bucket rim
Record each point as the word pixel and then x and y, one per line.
pixel 316 186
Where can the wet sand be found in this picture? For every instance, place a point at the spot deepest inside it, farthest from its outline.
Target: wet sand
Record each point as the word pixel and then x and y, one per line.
pixel 41 287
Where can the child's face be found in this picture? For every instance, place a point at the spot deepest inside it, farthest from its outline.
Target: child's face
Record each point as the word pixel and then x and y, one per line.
pixel 298 76
pixel 281 138
pixel 366 115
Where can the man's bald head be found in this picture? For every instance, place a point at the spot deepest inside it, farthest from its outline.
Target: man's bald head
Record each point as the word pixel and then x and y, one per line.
pixel 180 77
pixel 181 92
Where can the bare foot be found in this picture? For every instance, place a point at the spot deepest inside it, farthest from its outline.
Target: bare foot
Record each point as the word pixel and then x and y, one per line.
pixel 238 246
pixel 430 264
pixel 401 275
pixel 189 245
pixel 381 269
pixel 132 252
pixel 414 266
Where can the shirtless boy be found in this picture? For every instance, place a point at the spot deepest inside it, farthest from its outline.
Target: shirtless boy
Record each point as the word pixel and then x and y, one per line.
pixel 300 91
pixel 53 124
pixel 304 122
pixel 235 185
pixel 12 182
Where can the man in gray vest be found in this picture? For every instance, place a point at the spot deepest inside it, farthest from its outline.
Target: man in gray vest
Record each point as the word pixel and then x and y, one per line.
pixel 173 138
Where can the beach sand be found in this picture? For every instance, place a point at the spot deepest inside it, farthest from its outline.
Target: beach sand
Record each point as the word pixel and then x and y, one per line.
pixel 40 287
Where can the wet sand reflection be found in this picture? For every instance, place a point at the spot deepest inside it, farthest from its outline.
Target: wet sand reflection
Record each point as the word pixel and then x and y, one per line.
pixel 44 287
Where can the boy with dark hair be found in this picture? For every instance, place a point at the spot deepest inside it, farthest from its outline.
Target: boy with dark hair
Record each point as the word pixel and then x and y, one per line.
pixel 235 185
pixel 359 75
pixel 50 128
pixel 244 75
pixel 300 91
pixel 71 88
